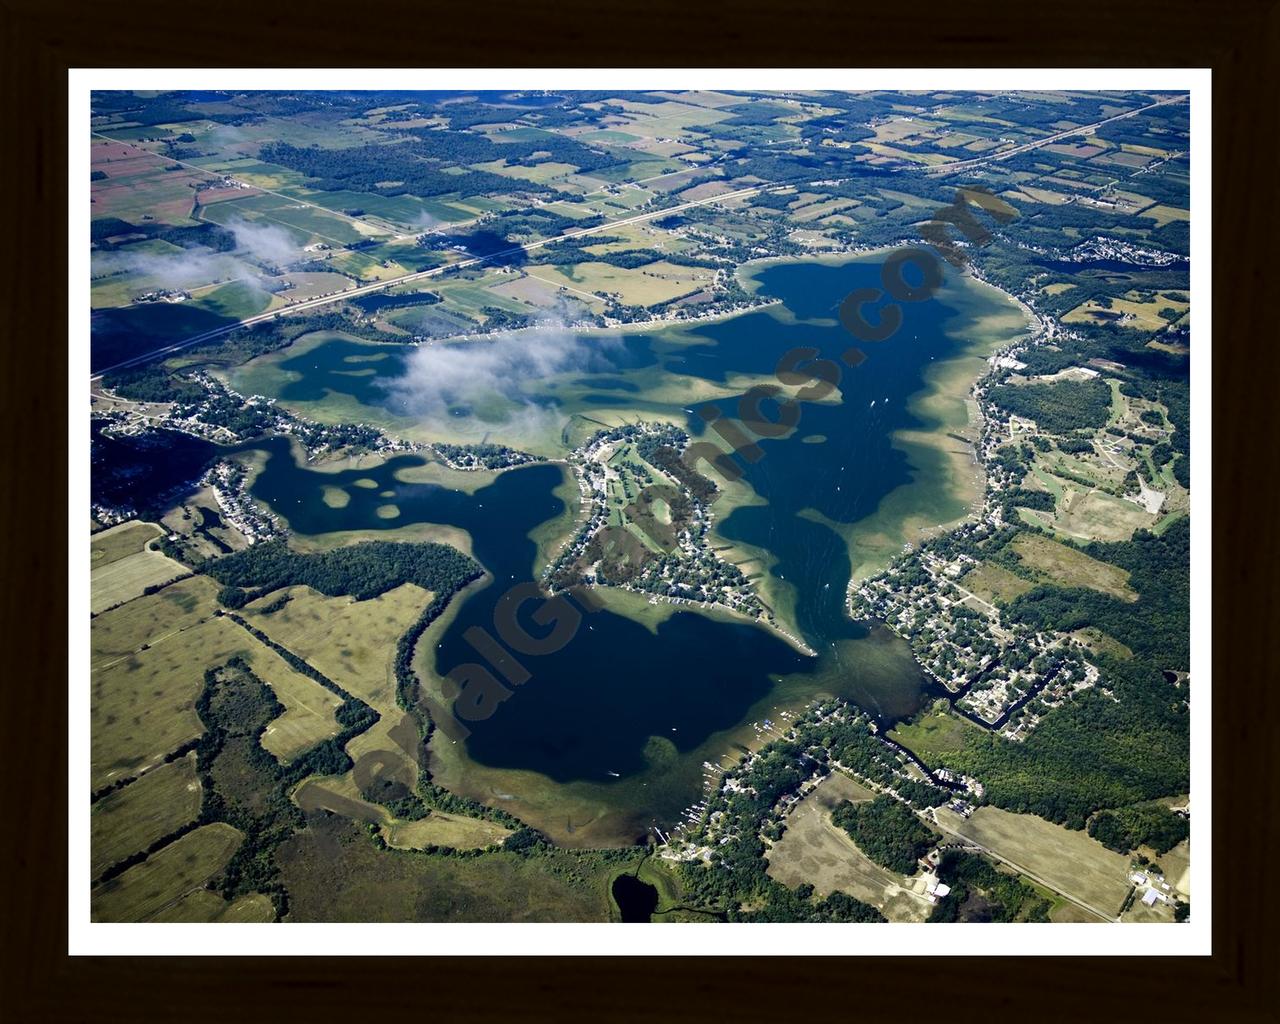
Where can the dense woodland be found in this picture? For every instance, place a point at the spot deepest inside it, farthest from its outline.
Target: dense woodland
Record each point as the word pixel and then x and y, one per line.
pixel 1152 825
pixel 362 570
pixel 885 830
pixel 982 892
pixel 1057 408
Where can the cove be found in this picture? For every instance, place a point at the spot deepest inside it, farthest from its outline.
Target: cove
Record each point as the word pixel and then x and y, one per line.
pixel 607 736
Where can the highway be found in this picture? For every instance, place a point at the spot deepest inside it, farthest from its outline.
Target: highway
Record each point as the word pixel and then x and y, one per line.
pixel 1087 129
pixel 377 286
pixel 422 275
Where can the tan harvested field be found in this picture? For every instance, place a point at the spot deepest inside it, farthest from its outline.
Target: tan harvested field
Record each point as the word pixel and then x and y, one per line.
pixel 441 829
pixel 645 286
pixel 994 584
pixel 150 620
pixel 142 706
pixel 1177 867
pixel 129 820
pixel 309 707
pixel 204 907
pixel 814 850
pixel 167 876
pixel 354 644
pixel 1071 568
pixel 118 541
pixel 125 578
pixel 1070 862
pixel 340 795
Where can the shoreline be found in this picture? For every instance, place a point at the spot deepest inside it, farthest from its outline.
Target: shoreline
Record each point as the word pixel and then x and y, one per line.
pixel 948 480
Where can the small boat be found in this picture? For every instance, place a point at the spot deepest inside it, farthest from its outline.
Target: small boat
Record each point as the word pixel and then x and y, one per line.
pixel 615 775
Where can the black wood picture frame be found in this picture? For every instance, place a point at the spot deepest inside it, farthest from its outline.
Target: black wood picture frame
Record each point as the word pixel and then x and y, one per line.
pixel 41 39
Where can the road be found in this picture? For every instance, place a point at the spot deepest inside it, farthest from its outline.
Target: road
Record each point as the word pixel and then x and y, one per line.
pixel 423 275
pixel 1110 918
pixel 222 174
pixel 1048 141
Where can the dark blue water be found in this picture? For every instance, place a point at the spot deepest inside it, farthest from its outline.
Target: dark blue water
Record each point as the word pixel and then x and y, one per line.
pixel 590 708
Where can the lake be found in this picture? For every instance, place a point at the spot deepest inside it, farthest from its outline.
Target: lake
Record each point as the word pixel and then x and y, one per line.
pixel 607 736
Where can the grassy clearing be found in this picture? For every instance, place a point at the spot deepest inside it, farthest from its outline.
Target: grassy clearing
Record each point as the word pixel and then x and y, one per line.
pixel 1069 861
pixel 334 874
pixel 131 819
pixel 995 584
pixel 1100 643
pixel 204 907
pixel 1071 568
pixel 440 829
pixel 934 735
pixel 814 850
pixel 166 877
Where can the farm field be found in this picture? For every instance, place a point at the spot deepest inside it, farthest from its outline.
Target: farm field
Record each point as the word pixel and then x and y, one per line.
pixel 166 876
pixel 201 906
pixel 116 542
pixel 126 578
pixel 309 707
pixel 150 619
pixel 142 706
pixel 814 850
pixel 1069 861
pixel 647 286
pixel 354 643
pixel 129 820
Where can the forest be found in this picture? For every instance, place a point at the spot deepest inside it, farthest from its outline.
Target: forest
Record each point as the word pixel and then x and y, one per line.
pixel 886 831
pixel 1152 825
pixel 370 168
pixel 362 570
pixel 1057 408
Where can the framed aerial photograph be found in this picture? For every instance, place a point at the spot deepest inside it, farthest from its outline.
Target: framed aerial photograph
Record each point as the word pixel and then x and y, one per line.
pixel 590 498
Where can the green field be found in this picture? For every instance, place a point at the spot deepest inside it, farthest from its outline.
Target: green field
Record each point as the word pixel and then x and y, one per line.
pixel 119 541
pixel 165 877
pixel 122 580
pixel 1070 862
pixel 994 584
pixel 142 706
pixel 129 820
pixel 933 735
pixel 1069 567
pixel 334 874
